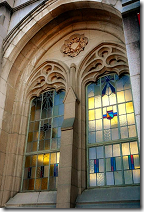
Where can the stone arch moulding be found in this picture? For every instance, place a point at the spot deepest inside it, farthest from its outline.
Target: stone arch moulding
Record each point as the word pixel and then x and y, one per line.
pixel 50 74
pixel 105 58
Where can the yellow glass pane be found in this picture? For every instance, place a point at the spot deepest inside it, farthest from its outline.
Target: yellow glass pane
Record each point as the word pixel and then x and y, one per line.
pixel 46 160
pixel 34 146
pixel 30 136
pixel 27 162
pixel 120 97
pixel 121 109
pixel 40 160
pixel 125 149
pixel 109 108
pixel 128 95
pixel 112 99
pixel 53 158
pixel 91 103
pixel 130 118
pixel 91 115
pixel 31 184
pixel 34 157
pixel 58 157
pixel 44 184
pixel 33 113
pixel 114 122
pixel 36 127
pixel 133 148
pixel 38 184
pixel 33 172
pixel 92 179
pixel 114 108
pixel 104 110
pixel 105 100
pixel 129 107
pixel 98 114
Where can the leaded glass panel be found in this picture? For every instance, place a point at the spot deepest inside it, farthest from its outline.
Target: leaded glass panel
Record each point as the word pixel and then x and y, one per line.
pixel 43 142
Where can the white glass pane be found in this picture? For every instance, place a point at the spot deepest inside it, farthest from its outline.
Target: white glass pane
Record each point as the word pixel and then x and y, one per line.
pixel 101 165
pixel 118 163
pixel 107 135
pixel 91 166
pixel 97 101
pixel 91 125
pixel 109 178
pixel 128 95
pixel 124 132
pixel 133 148
pixel 132 131
pixel 98 113
pixel 125 162
pixel 100 152
pixel 105 100
pixel 120 97
pixel 108 151
pixel 128 177
pixel 92 153
pixel 99 124
pixel 100 179
pixel 123 120
pixel 108 164
pixel 122 109
pixel 136 176
pixel 136 161
pixel 112 99
pixel 92 137
pixel 115 135
pixel 125 149
pixel 106 123
pixel 99 136
pixel 92 179
pixel 116 150
pixel 130 118
pixel 118 177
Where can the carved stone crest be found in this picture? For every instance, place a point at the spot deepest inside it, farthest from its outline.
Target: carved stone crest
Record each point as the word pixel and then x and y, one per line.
pixel 74 45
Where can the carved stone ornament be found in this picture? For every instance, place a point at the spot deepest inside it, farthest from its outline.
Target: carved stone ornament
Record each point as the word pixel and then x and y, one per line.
pixel 74 45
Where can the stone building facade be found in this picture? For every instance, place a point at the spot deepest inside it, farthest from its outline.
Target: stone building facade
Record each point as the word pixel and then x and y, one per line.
pixel 64 45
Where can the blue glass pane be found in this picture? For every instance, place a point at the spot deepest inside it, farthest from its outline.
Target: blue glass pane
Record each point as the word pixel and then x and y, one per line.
pixel 92 153
pixel 90 90
pixel 61 109
pixel 60 121
pixel 55 122
pixel 92 137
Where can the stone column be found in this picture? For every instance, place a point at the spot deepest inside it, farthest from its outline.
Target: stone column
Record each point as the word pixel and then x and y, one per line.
pixel 67 189
pixel 132 40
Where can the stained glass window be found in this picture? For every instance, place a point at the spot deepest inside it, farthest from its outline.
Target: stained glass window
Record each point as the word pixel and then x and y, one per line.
pixel 43 142
pixel 112 143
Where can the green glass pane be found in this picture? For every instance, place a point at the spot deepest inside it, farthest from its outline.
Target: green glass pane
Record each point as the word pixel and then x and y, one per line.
pixel 118 177
pixel 116 150
pixel 98 113
pixel 123 120
pixel 121 109
pixel 100 179
pixel 136 176
pixel 52 183
pixel 124 132
pixel 91 166
pixel 97 101
pixel 128 95
pixel 132 131
pixel 91 125
pixel 128 177
pixel 125 162
pixel 99 124
pixel 101 165
pixel 109 178
pixel 99 136
pixel 136 161
pixel 118 163
pixel 129 107
pixel 115 135
pixel 130 118
pixel 108 151
pixel 92 153
pixel 92 179
pixel 120 97
pixel 112 99
pixel 91 103
pixel 108 164
pixel 99 152
pixel 125 149
pixel 107 135
pixel 92 137
pixel 133 148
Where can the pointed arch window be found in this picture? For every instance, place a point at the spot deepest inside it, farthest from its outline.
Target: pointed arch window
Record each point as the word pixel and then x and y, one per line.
pixel 112 143
pixel 42 154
